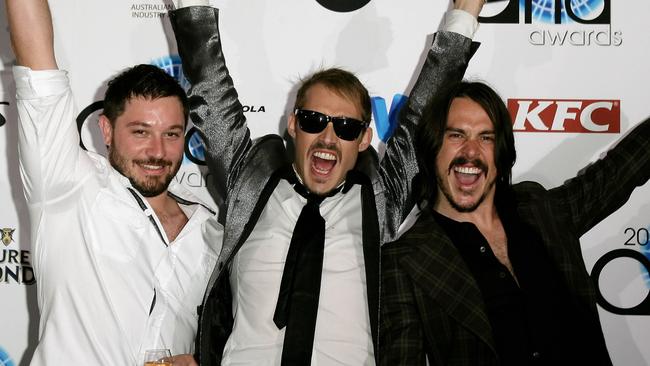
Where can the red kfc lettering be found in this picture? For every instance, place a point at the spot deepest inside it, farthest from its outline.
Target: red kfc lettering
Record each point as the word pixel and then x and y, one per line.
pixel 565 115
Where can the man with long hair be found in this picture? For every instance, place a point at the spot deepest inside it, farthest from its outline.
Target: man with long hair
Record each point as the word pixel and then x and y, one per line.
pixel 492 273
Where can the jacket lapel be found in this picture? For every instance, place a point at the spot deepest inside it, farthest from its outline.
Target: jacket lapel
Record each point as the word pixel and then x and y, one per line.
pixel 435 265
pixel 366 174
pixel 370 242
pixel 248 196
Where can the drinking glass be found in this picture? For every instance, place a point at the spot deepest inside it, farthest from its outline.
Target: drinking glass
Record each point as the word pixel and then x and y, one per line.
pixel 157 357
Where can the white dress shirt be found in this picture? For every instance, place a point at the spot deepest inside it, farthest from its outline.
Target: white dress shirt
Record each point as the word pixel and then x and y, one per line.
pixel 342 335
pixel 98 259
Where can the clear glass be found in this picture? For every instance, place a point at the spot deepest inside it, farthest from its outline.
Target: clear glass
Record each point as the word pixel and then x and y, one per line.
pixel 157 357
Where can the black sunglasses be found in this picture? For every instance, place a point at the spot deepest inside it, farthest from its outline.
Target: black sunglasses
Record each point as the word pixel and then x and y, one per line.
pixel 346 128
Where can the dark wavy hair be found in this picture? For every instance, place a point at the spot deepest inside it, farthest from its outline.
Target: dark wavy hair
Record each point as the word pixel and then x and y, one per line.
pixel 341 82
pixel 146 81
pixel 431 132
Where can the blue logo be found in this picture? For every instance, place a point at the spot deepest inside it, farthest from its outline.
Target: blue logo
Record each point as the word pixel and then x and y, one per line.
pixel 194 147
pixel 173 66
pixel 385 120
pixel 545 10
pixel 5 359
pixel 553 12
pixel 645 249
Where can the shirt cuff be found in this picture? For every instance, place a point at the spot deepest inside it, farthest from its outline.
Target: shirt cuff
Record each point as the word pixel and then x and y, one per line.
pixel 186 3
pixel 461 22
pixel 32 84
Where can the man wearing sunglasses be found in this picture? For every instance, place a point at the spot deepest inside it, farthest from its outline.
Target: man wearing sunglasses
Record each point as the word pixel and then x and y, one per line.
pixel 297 281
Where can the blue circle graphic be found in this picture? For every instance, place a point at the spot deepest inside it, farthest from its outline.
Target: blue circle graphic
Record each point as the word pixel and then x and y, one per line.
pixel 5 359
pixel 645 249
pixel 544 10
pixel 194 147
pixel 173 66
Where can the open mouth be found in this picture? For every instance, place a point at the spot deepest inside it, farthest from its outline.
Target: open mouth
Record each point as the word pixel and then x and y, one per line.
pixel 467 175
pixel 322 162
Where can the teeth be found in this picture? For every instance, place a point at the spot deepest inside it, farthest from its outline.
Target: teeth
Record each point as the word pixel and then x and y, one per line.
pixel 324 155
pixel 321 170
pixel 152 167
pixel 467 170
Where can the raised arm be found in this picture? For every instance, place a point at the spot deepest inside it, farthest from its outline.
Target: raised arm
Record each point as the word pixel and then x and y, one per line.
pixel 215 107
pixel 604 186
pixel 30 24
pixel 445 64
pixel 51 162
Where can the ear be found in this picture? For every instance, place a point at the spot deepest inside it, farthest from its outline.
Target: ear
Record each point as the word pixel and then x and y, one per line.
pixel 366 138
pixel 107 129
pixel 291 125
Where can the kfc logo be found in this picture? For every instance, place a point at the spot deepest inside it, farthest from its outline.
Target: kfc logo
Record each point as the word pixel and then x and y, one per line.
pixel 565 115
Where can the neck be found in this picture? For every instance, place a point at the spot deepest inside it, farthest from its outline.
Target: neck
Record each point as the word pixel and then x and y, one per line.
pixel 161 203
pixel 485 215
pixel 302 182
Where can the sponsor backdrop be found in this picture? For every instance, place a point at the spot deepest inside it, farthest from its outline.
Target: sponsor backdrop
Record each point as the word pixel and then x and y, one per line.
pixel 574 77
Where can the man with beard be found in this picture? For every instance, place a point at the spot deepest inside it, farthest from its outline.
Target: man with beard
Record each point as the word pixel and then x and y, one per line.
pixel 297 281
pixel 492 273
pixel 118 253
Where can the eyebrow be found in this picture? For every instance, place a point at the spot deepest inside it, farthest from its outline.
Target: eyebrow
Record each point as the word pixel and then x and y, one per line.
pixel 460 130
pixel 148 125
pixel 452 129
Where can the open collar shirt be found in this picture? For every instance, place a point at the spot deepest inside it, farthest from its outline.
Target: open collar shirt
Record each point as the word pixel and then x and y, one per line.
pixel 110 283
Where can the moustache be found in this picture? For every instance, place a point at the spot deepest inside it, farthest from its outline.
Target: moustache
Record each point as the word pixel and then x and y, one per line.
pixel 161 162
pixel 461 160
pixel 322 145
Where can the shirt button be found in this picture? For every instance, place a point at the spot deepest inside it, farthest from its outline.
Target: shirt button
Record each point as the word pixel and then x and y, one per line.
pixel 482 249
pixel 503 275
pixel 536 355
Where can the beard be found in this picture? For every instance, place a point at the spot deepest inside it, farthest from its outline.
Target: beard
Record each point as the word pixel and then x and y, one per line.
pixel 470 207
pixel 149 186
pixel 459 207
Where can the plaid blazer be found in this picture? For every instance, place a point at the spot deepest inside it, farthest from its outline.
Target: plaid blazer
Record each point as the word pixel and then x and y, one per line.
pixel 431 305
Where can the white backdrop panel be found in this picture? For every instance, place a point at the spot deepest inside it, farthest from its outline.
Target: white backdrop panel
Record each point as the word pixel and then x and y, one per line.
pixel 270 45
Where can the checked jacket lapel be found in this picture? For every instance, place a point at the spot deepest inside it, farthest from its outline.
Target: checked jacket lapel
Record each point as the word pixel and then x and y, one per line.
pixel 435 265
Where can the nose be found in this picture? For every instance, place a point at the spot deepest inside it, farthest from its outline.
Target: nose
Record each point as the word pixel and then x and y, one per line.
pixel 471 148
pixel 156 147
pixel 328 135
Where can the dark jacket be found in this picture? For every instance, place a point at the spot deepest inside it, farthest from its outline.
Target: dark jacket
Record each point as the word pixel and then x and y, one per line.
pixel 431 305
